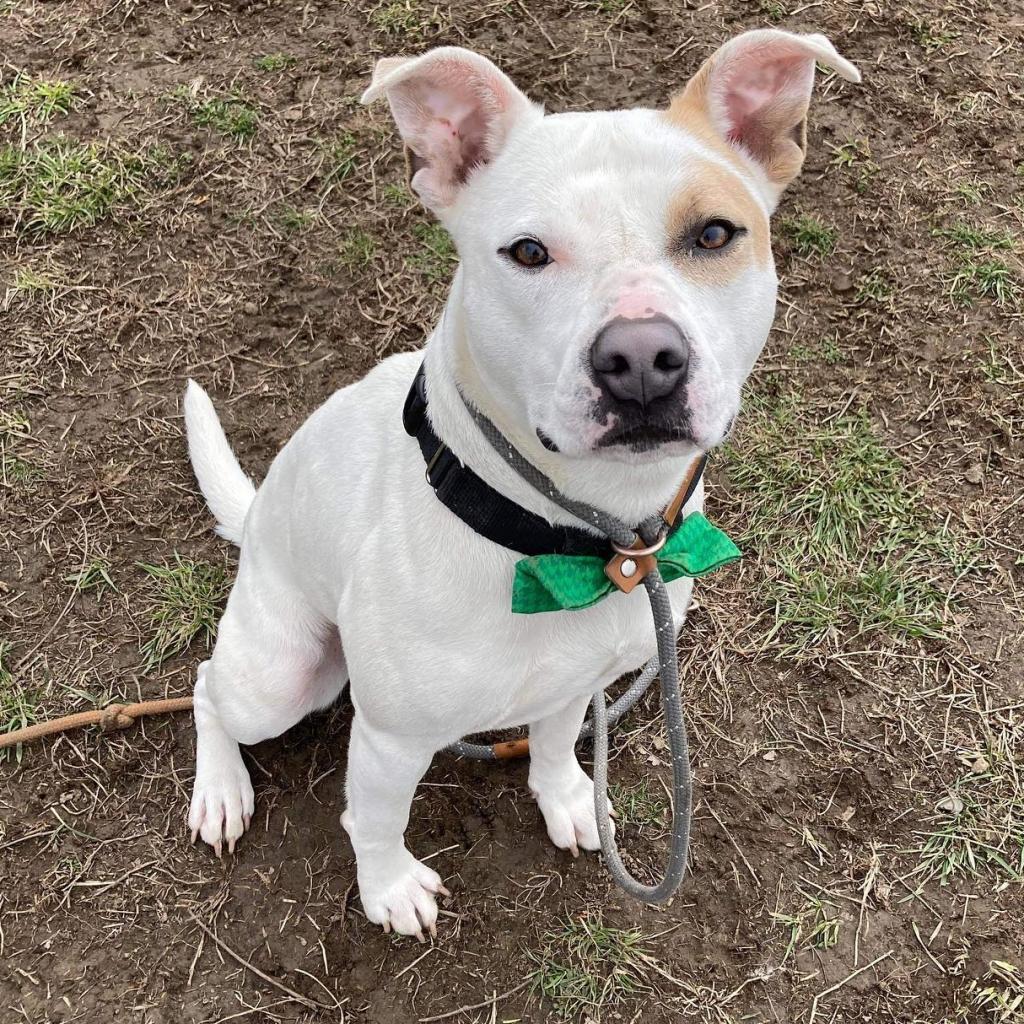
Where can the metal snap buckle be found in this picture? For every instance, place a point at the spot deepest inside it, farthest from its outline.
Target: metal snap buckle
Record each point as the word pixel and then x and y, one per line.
pixel 635 552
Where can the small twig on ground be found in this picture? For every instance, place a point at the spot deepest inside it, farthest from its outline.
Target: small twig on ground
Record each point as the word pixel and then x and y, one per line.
pixel 494 1000
pixel 304 1000
pixel 840 984
pixel 728 834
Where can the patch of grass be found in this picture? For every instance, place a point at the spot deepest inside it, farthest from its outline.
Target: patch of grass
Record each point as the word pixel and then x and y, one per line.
pixel 18 708
pixel 57 185
pixel 406 19
pixel 6 679
pixel 809 236
pixel 31 282
pixel 271 62
pixel 227 115
pixel 773 10
pixel 641 805
pixel 291 218
pixel 980 272
pixel 185 596
pixel 826 351
pixel 169 165
pixel 999 995
pixel 932 36
pixel 339 157
pixel 94 577
pixel 397 196
pixel 873 287
pixel 972 193
pixel 35 100
pixel 854 158
pixel 850 555
pixel 437 255
pixel 230 114
pixel 587 967
pixel 356 249
pixel 15 470
pixel 992 279
pixel 999 368
pixel 978 830
pixel 973 105
pixel 974 238
pixel 813 925
pixel 13 425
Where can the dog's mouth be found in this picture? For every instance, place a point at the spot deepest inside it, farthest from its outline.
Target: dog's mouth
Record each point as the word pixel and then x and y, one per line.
pixel 644 437
pixel 547 442
pixel 637 438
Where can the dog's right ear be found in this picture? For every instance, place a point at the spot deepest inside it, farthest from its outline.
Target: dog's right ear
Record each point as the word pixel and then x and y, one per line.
pixel 454 110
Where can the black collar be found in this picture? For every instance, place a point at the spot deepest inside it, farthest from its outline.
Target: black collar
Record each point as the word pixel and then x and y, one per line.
pixel 487 511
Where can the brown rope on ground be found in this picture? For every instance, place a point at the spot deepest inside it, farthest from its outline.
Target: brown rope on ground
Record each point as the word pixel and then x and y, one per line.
pixel 110 718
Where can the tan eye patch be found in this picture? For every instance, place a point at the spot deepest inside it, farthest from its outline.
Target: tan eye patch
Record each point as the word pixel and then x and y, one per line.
pixel 715 193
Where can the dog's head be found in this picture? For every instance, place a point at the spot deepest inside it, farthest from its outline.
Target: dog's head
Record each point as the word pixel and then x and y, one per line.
pixel 616 280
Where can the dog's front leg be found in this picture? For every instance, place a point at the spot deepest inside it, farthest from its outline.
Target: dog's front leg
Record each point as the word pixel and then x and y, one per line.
pixel 396 889
pixel 563 790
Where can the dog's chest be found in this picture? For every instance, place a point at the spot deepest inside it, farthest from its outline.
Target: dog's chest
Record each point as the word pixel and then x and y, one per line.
pixel 573 654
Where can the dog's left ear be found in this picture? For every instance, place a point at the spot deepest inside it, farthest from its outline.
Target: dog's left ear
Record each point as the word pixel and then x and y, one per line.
pixel 454 110
pixel 754 92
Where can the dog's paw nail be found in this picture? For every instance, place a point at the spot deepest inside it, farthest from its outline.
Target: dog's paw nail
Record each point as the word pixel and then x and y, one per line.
pixel 387 927
pixel 433 931
pixel 421 937
pixel 231 846
pixel 195 836
pixel 574 850
pixel 218 848
pixel 442 891
pixel 246 820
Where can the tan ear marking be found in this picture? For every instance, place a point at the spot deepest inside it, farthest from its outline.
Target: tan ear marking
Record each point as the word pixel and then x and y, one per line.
pixel 752 96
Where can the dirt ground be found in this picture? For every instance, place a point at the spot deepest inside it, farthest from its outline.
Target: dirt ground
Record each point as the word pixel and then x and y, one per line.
pixel 203 196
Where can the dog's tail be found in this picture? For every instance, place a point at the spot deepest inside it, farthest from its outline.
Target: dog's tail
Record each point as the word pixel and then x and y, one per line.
pixel 226 488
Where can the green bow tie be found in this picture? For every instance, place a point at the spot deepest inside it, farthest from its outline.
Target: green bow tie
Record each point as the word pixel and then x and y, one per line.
pixel 551 583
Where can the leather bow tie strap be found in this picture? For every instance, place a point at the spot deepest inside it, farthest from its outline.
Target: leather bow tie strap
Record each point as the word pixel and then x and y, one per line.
pixel 628 566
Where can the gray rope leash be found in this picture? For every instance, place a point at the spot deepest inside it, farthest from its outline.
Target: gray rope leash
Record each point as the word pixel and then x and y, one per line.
pixel 664 664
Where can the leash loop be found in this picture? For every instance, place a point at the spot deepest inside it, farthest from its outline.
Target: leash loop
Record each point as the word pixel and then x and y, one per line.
pixel 665 664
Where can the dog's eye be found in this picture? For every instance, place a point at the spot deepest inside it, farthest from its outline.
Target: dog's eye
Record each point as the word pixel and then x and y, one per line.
pixel 528 252
pixel 716 234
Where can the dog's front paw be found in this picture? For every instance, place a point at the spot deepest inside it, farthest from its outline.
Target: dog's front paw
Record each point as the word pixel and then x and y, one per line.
pixel 402 898
pixel 568 808
pixel 222 799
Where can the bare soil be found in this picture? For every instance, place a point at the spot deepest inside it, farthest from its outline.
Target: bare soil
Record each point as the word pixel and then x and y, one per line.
pixel 279 267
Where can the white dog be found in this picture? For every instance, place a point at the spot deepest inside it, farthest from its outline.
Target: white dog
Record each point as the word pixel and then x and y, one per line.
pixel 616 285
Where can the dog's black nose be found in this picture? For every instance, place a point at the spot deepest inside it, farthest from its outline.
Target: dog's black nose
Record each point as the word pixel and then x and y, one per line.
pixel 640 360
